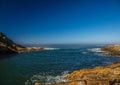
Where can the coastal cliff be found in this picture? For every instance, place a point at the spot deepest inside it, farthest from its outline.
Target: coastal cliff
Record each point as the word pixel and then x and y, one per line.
pixel 7 46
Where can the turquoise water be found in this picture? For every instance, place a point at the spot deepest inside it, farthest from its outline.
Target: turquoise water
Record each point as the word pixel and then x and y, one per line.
pixel 49 65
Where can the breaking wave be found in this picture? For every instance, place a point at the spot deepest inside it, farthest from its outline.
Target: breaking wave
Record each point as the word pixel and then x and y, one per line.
pixel 47 79
pixel 51 48
pixel 94 50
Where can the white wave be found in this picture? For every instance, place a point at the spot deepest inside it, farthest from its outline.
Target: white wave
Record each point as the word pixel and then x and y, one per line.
pixel 47 79
pixel 95 50
pixel 51 48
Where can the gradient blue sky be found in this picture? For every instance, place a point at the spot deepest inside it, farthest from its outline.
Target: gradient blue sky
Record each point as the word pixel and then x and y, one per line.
pixel 61 21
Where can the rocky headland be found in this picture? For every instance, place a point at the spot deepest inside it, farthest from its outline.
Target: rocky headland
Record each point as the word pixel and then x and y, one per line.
pixel 7 46
pixel 112 50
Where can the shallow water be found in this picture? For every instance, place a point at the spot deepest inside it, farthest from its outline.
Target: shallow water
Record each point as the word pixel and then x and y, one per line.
pixel 49 65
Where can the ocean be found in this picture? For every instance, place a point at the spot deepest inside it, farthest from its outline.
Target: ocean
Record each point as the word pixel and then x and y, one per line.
pixel 50 65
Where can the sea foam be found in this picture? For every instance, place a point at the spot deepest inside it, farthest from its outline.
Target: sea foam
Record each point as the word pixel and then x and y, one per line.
pixel 94 50
pixel 47 79
pixel 51 48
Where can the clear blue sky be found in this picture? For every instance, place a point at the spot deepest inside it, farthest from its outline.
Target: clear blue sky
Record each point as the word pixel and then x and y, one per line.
pixel 61 21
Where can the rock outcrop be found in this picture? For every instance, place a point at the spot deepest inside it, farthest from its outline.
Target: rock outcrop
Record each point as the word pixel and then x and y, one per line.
pixel 112 50
pixel 7 46
pixel 109 75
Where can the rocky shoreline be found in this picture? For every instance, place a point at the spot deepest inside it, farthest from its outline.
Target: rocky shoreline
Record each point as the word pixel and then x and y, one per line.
pixel 101 75
pixel 110 75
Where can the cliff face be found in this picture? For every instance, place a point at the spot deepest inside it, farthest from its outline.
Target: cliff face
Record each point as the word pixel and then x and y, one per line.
pixel 7 46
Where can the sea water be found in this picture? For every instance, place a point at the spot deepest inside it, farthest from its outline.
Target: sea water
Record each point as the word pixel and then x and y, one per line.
pixel 50 65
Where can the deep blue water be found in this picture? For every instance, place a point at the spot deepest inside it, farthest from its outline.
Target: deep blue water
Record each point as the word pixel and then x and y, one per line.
pixel 29 67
